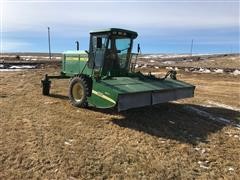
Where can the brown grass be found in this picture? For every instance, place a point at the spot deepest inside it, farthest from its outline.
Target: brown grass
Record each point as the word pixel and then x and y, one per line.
pixel 47 138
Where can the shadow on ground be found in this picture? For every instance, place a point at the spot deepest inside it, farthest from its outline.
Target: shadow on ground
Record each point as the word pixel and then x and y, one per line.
pixel 58 96
pixel 170 120
pixel 173 121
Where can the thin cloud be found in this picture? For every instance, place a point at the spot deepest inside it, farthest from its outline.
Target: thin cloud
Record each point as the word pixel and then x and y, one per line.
pixel 34 16
pixel 156 23
pixel 15 45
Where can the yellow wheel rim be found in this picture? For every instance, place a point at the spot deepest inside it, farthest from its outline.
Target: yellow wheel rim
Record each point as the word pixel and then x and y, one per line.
pixel 77 92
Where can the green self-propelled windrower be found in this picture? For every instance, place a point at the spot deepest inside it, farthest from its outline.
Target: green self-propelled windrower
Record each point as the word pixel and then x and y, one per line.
pixel 105 77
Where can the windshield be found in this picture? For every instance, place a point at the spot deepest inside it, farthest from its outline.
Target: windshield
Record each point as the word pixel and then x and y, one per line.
pixel 117 56
pixel 123 47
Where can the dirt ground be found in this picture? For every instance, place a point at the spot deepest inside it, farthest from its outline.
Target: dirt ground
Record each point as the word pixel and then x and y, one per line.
pixel 47 138
pixel 231 61
pixel 219 62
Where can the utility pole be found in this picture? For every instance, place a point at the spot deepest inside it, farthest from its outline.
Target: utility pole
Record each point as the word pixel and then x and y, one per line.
pixel 49 44
pixel 191 48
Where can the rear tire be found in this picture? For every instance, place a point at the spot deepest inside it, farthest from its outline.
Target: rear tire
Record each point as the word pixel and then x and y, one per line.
pixel 78 90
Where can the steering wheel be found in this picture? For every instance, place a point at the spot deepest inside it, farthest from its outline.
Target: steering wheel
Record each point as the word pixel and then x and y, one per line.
pixel 122 50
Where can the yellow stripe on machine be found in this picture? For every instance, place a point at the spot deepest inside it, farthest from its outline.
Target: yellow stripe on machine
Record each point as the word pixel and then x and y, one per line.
pixel 83 59
pixel 103 96
pixel 76 59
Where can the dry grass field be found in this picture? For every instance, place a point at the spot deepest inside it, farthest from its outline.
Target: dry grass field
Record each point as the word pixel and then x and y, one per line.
pixel 47 138
pixel 214 61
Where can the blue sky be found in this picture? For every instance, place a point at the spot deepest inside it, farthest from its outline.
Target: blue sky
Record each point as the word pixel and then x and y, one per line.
pixel 163 26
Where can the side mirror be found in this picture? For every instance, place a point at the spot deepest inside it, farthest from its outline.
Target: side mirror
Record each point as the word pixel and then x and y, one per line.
pixel 99 42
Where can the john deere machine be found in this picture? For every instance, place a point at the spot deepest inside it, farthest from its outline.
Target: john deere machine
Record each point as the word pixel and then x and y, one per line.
pixel 105 77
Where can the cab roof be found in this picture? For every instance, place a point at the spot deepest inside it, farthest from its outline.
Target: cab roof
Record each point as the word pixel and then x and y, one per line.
pixel 116 31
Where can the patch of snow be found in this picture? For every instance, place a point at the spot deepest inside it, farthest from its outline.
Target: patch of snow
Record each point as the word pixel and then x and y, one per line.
pixel 203 151
pixel 22 67
pixel 10 70
pixel 175 55
pixel 197 149
pixel 169 68
pixel 236 72
pixel 136 66
pixel 156 67
pixel 188 60
pixel 151 61
pixel 206 71
pixel 1 66
pixel 176 69
pixel 67 143
pixel 207 115
pixel 152 56
pixel 203 165
pixel 231 169
pixel 202 70
pixel 168 55
pixel 168 62
pixel 172 122
pixel 154 73
pixel 218 71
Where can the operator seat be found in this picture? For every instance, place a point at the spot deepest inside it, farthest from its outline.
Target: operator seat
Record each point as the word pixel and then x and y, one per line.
pixel 111 61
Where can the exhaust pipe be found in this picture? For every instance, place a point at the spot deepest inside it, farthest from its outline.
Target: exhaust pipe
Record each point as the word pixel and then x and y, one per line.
pixel 77 42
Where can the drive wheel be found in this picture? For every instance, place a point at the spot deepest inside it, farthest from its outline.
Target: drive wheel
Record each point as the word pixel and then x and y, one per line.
pixel 78 90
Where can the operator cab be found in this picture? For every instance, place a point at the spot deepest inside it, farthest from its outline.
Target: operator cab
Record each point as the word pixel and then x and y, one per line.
pixel 110 51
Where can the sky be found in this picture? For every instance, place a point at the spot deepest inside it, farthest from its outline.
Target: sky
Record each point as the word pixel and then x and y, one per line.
pixel 163 26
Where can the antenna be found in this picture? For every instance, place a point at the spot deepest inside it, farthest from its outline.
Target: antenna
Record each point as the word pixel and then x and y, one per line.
pixel 49 44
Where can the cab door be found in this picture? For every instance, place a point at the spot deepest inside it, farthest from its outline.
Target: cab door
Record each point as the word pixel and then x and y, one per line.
pixel 97 53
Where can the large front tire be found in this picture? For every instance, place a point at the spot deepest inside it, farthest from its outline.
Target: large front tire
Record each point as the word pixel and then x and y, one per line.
pixel 78 90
